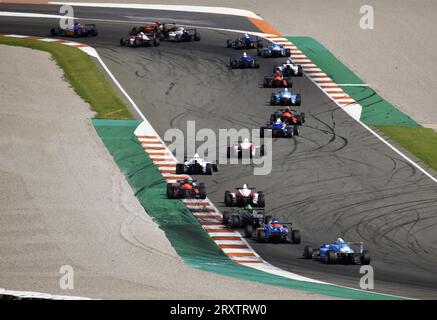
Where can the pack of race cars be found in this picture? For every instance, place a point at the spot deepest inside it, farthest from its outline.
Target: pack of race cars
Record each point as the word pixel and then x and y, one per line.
pixel 247 204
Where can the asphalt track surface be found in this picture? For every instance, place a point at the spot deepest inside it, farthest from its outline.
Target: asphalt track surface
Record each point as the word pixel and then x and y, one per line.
pixel 334 179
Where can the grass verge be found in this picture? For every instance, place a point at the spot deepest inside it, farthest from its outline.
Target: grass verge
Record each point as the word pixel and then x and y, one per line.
pixel 83 75
pixel 422 142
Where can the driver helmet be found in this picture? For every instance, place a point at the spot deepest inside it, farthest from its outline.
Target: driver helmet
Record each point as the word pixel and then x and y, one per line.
pixel 288 61
pixel 340 240
pixel 245 140
pixel 245 55
pixel 275 220
pixel 246 35
pixel 278 121
pixel 245 186
pixel 249 207
pixel 286 89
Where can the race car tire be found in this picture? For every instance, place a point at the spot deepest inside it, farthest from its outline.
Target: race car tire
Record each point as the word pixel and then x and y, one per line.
pixel 308 252
pixel 272 99
pixel 261 200
pixel 365 258
pixel 302 116
pixel 229 43
pixel 298 99
pixel 295 131
pixel 134 31
pixel 226 216
pixel 295 236
pixel 214 167
pixel 180 168
pixel 228 199
pixel 202 190
pixel 208 169
pixel 235 221
pixel 196 37
pixel 299 71
pixel 329 257
pixel 258 52
pixel 266 83
pixel 274 117
pixel 248 231
pixel 122 42
pixel 268 219
pixel 156 42
pixel 287 52
pixel 261 151
pixel 53 32
pixel 289 133
pixel 94 33
pixel 170 191
pixel 256 65
pixel 234 64
pixel 261 236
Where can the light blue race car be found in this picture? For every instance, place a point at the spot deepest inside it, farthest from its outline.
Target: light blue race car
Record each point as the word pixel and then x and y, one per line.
pixel 339 252
pixel 285 98
pixel 274 51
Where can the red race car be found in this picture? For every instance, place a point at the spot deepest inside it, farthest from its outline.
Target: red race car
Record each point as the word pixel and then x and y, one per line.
pixel 186 189
pixel 151 28
pixel 277 80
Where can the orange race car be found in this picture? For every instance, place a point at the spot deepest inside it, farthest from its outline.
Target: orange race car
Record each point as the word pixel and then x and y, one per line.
pixel 186 189
pixel 277 80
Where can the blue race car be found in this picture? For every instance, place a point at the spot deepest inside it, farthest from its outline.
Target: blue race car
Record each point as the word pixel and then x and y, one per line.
pixel 339 252
pixel 280 129
pixel 273 231
pixel 245 61
pixel 274 51
pixel 245 42
pixel 76 31
pixel 285 98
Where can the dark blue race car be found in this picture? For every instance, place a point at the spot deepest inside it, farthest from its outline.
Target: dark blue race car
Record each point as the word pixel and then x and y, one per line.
pixel 76 31
pixel 339 251
pixel 273 231
pixel 245 61
pixel 285 98
pixel 245 42
pixel 280 129
pixel 274 51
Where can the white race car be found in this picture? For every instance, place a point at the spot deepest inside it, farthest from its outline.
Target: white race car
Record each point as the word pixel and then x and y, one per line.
pixel 244 148
pixel 245 196
pixel 196 165
pixel 289 69
pixel 179 34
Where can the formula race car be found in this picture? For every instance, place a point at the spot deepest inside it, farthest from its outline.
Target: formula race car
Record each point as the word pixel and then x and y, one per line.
pixel 245 61
pixel 245 196
pixel 280 129
pixel 285 98
pixel 245 42
pixel 339 252
pixel 140 40
pixel 176 33
pixel 155 28
pixel 245 148
pixel 288 116
pixel 274 51
pixel 76 31
pixel 273 231
pixel 196 165
pixel 289 69
pixel 242 217
pixel 277 80
pixel 186 189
